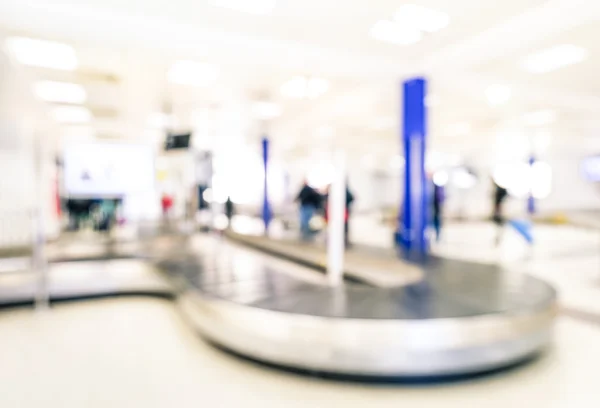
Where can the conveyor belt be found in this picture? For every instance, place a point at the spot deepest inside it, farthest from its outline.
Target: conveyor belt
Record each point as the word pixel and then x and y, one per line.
pixel 452 322
pixel 85 280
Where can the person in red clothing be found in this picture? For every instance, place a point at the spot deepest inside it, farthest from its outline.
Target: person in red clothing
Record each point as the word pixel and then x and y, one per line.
pixel 166 202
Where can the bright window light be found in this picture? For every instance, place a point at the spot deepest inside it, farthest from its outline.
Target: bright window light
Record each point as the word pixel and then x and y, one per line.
pixel 441 178
pixel 71 114
pixel 554 58
pixel 320 175
pixel 539 118
pixel 45 54
pixel 395 33
pixel 302 87
pixel 258 7
pixel 60 92
pixel 498 94
pixel 192 73
pixel 521 179
pixel 541 176
pixel 421 18
pixel 266 110
pixel 463 179
pixel 513 176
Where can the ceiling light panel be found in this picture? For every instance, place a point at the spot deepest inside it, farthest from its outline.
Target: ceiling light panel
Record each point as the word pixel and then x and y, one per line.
pixel 45 54
pixel 192 73
pixel 60 92
pixel 257 7
pixel 71 114
pixel 421 18
pixel 395 33
pixel 554 58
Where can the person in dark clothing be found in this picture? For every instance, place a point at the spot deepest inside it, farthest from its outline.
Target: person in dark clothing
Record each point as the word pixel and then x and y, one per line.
pixel 349 201
pixel 229 211
pixel 310 201
pixel 438 201
pixel 500 194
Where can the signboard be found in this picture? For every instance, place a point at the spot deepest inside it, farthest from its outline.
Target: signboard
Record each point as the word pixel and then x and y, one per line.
pixel 108 170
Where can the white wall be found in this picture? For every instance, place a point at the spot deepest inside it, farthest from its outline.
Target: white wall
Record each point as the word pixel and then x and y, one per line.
pixel 22 129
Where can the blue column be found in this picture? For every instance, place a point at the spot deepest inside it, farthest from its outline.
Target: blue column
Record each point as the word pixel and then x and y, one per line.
pixel 414 212
pixel 531 199
pixel 266 208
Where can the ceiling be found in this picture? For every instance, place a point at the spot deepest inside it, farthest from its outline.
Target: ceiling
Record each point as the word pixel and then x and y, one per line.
pixel 126 47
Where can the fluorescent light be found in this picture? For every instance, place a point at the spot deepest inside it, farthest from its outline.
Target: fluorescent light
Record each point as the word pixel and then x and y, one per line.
pixel 266 110
pixel 539 118
pixel 302 87
pixel 554 58
pixel 498 94
pixel 59 92
pixel 257 7
pixel 45 54
pixel 192 73
pixel 421 18
pixel 395 33
pixel 71 114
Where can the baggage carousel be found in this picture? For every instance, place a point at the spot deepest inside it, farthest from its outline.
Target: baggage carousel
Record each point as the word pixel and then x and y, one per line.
pixel 458 319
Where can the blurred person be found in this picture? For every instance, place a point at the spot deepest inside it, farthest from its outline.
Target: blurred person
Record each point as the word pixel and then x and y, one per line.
pixel 347 215
pixel 437 204
pixel 310 201
pixel 229 211
pixel 106 216
pixel 166 202
pixel 500 195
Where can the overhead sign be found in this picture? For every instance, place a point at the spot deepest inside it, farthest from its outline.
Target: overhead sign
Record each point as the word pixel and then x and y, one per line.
pixel 111 169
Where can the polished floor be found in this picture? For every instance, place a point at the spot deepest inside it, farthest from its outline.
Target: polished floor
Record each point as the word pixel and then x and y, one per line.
pixel 139 352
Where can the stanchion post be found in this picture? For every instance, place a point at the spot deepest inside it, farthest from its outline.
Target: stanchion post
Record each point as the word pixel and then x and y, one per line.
pixel 335 231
